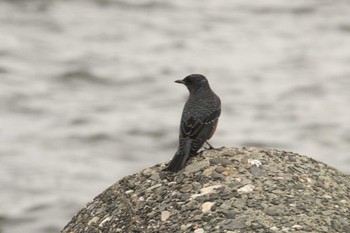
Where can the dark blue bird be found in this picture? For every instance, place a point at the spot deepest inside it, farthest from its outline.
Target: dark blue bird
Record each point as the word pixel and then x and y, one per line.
pixel 199 119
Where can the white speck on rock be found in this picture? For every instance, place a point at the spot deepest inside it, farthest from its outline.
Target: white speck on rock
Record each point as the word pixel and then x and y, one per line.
pixel 153 187
pixel 183 227
pixel 255 162
pixel 93 220
pixel 327 196
pixel 206 206
pixel 246 188
pixel 199 230
pixel 104 221
pixel 206 190
pixel 164 215
pixel 129 191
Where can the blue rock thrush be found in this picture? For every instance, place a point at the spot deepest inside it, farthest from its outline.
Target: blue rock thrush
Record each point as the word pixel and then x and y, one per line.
pixel 199 119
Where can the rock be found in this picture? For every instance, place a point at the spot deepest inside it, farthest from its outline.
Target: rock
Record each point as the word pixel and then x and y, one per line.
pixel 104 221
pixel 186 188
pixel 220 169
pixel 255 162
pixel 274 211
pixel 239 203
pixel 327 212
pixel 223 191
pixel 93 220
pixel 155 176
pixel 217 176
pixel 129 191
pixel 199 230
pixel 207 190
pixel 246 189
pixel 347 229
pixel 195 167
pixel 228 214
pixel 207 172
pixel 236 224
pixel 164 215
pixel 296 226
pixel 219 160
pixel 257 171
pixel 206 206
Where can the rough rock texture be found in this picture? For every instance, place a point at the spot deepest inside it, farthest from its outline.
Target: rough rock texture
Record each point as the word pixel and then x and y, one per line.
pixel 225 191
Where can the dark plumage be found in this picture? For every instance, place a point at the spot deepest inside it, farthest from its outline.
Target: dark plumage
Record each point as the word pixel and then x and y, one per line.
pixel 199 119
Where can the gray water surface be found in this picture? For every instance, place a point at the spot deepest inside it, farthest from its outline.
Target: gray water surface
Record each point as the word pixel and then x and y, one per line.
pixel 87 93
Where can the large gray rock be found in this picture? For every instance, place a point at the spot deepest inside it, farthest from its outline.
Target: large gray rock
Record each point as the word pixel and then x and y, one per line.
pixel 225 191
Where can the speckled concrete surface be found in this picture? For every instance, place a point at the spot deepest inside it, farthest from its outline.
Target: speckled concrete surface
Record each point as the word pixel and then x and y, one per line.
pixel 227 190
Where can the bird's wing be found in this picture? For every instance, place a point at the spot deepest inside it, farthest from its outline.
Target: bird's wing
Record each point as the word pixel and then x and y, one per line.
pixel 198 130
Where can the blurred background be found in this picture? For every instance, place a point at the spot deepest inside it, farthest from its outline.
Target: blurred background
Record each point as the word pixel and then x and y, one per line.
pixel 87 91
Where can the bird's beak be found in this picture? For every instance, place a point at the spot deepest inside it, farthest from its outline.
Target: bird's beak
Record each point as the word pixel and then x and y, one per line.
pixel 180 81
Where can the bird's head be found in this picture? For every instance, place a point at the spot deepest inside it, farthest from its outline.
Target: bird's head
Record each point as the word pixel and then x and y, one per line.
pixel 194 82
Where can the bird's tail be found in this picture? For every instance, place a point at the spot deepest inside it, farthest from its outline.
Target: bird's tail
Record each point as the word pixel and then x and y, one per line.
pixel 180 157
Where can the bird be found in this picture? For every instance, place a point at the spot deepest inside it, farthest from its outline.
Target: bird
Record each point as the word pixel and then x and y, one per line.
pixel 199 119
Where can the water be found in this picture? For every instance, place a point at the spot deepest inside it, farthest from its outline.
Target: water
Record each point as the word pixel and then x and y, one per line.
pixel 87 92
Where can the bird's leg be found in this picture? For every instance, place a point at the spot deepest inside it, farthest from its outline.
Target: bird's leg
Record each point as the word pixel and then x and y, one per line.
pixel 210 146
pixel 213 148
